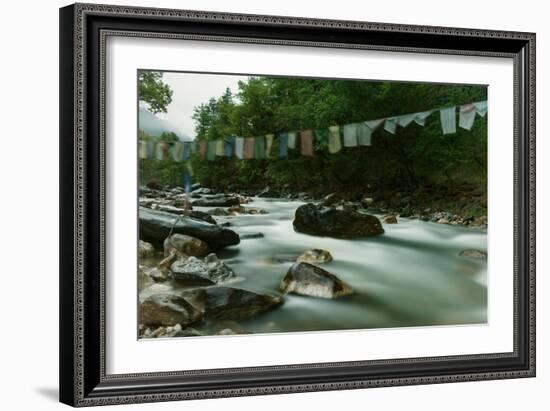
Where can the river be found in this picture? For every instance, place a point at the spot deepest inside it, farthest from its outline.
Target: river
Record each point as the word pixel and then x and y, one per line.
pixel 410 276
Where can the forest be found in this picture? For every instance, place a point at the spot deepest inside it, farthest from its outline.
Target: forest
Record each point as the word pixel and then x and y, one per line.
pixel 415 159
pixel 390 234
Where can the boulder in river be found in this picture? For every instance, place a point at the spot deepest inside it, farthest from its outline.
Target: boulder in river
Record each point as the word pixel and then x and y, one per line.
pixel 167 261
pixel 155 226
pixel 167 309
pixel 145 249
pixel 284 258
pixel 186 245
pixel 158 274
pixel 330 222
pixel 249 236
pixel 472 253
pixel 256 211
pixel 218 211
pixel 367 201
pixel 236 209
pixel 315 256
pixel 208 271
pixel 153 185
pixel 228 303
pixel 216 202
pixel 331 199
pixel 268 192
pixel 170 209
pixel 308 279
pixel 200 215
pixel 389 219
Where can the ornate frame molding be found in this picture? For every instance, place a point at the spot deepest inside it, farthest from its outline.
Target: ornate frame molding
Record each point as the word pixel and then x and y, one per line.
pixel 82 387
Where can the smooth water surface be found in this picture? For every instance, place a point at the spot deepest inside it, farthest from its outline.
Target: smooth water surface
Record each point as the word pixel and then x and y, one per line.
pixel 410 276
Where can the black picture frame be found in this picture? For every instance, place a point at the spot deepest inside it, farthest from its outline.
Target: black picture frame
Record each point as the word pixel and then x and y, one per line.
pixel 83 30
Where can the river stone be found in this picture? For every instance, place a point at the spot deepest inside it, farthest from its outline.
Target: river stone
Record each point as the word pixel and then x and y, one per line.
pixel 145 249
pixel 185 244
pixel 226 331
pixel 330 222
pixel 195 271
pixel 254 211
pixel 249 236
pixel 472 253
pixel 389 219
pixel 228 303
pixel 155 226
pixel 216 202
pixel 284 258
pixel 202 190
pixel 331 199
pixel 315 256
pixel 186 332
pixel 218 211
pixel 158 274
pixel 170 209
pixel 153 185
pixel 308 279
pixel 236 209
pixel 367 201
pixel 200 215
pixel 178 331
pixel 167 309
pixel 268 192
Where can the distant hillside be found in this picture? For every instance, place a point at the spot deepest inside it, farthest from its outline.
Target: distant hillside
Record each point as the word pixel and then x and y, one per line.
pixel 152 125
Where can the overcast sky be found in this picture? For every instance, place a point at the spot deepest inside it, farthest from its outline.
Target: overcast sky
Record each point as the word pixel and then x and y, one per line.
pixel 190 90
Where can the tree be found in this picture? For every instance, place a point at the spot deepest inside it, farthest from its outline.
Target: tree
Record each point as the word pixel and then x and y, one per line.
pixel 413 157
pixel 153 91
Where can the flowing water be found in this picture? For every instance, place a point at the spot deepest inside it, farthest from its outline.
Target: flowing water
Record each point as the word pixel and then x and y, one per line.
pixel 410 276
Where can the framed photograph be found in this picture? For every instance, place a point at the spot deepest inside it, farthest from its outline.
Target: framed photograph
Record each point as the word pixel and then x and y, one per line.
pixel 262 204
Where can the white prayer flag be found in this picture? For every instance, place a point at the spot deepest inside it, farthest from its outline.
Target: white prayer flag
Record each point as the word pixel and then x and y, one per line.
pixel 467 116
pixel 390 125
pixel 448 120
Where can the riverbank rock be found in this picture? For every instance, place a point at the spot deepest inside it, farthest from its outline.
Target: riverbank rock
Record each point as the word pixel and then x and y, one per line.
pixel 315 256
pixel 228 303
pixel 269 192
pixel 216 202
pixel 218 211
pixel 195 271
pixel 236 209
pixel 153 185
pixel 472 253
pixel 170 209
pixel 331 199
pixel 284 258
pixel 167 261
pixel 185 245
pixel 155 226
pixel 367 201
pixel 145 249
pixel 158 274
pixel 249 236
pixel 167 309
pixel 330 222
pixel 308 279
pixel 169 332
pixel 202 190
pixel 254 211
pixel 389 219
pixel 200 215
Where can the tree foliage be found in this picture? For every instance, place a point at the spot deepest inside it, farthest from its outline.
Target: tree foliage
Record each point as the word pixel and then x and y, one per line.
pixel 413 157
pixel 165 172
pixel 153 91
